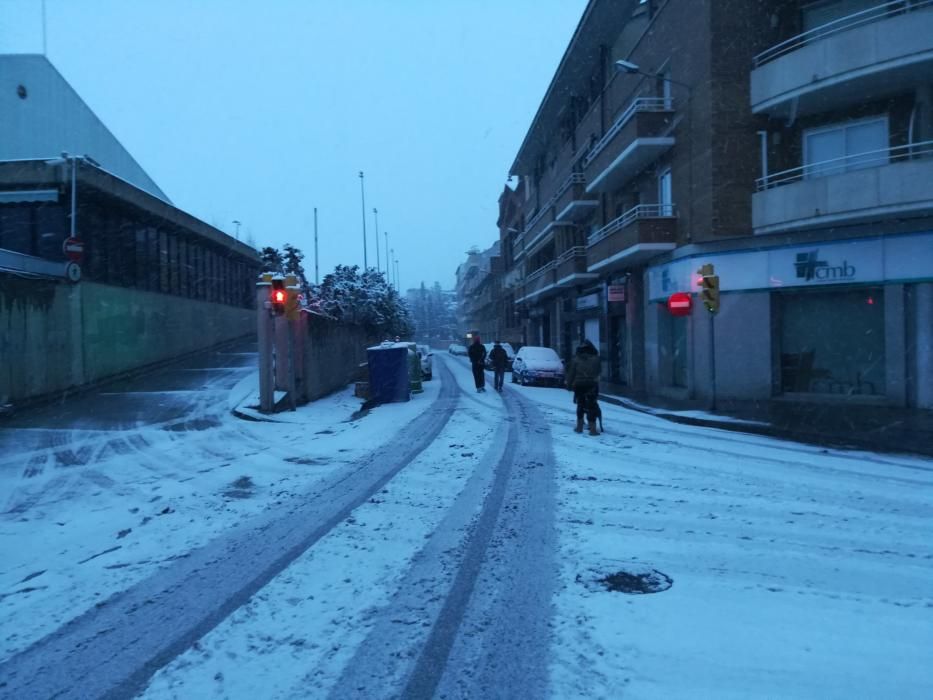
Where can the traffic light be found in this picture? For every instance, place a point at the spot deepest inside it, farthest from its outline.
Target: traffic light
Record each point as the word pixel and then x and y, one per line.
pixel 279 296
pixel 709 288
pixel 292 303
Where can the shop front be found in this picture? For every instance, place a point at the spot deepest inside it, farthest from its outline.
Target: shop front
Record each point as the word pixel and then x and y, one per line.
pixel 818 321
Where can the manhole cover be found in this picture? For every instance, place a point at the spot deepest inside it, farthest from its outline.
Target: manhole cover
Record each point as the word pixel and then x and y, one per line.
pixel 645 582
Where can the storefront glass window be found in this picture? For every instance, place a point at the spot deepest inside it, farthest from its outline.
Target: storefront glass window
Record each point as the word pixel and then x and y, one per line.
pixel 673 347
pixel 833 342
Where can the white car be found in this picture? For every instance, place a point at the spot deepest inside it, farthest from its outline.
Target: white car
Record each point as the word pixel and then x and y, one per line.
pixel 457 349
pixel 425 353
pixel 537 364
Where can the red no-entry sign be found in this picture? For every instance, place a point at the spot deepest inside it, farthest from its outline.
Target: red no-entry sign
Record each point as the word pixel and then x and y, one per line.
pixel 73 248
pixel 680 304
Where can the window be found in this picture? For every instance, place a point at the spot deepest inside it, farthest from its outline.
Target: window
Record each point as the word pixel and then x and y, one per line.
pixel 665 196
pixel 819 14
pixel 833 342
pixel 841 147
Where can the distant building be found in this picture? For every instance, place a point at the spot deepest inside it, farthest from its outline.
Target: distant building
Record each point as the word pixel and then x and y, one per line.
pixel 478 281
pixel 152 282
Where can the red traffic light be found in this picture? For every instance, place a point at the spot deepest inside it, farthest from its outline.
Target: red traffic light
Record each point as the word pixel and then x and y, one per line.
pixel 680 304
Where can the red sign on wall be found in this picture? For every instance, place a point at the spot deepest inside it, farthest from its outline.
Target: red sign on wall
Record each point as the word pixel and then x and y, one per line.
pixel 680 304
pixel 73 248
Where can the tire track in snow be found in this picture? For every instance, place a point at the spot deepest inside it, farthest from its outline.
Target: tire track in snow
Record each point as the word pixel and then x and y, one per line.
pixel 112 651
pixel 471 618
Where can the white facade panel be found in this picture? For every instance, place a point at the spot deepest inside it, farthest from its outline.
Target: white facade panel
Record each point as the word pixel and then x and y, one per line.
pixel 42 116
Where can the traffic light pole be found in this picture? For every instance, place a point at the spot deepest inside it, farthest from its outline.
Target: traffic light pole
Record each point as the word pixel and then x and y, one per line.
pixel 712 358
pixel 264 333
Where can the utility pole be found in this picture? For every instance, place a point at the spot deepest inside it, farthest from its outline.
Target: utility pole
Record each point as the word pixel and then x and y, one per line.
pixel 376 215
pixel 316 279
pixel 388 274
pixel 363 199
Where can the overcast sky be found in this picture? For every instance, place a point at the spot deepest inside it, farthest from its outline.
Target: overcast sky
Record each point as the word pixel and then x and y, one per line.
pixel 260 111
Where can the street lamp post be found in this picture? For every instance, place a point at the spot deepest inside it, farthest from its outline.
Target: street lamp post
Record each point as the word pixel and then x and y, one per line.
pixel 363 200
pixel 398 286
pixel 376 216
pixel 390 265
pixel 237 224
pixel 388 272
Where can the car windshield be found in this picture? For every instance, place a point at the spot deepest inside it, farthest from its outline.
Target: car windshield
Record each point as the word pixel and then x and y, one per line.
pixel 256 439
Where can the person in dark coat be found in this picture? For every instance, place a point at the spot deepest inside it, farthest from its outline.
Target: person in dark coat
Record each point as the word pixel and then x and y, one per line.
pixel 500 361
pixel 583 380
pixel 477 353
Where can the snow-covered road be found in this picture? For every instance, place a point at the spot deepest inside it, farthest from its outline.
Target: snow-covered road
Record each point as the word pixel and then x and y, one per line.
pixel 454 546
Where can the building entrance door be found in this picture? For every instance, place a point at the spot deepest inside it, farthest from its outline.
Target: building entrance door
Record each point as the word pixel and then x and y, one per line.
pixel 591 331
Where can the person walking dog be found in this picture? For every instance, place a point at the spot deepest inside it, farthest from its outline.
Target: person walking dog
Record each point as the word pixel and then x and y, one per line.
pixel 477 353
pixel 500 360
pixel 583 380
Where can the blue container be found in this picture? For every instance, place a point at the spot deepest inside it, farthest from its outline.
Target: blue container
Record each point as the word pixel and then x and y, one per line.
pixel 388 373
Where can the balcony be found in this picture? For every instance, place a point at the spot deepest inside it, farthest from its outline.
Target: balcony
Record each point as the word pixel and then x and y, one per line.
pixel 571 203
pixel 540 282
pixel 571 268
pixel 636 139
pixel 867 55
pixel 893 182
pixel 635 237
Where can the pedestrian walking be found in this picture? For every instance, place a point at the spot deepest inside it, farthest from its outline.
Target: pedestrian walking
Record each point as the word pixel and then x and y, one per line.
pixel 477 355
pixel 500 360
pixel 583 380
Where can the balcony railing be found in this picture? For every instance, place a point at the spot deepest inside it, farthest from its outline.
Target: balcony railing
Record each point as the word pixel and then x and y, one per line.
pixel 541 271
pixel 856 19
pixel 639 104
pixel 642 211
pixel 855 161
pixel 573 179
pixel 571 253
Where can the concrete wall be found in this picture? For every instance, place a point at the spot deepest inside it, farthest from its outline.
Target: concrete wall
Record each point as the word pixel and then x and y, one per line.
pixel 56 336
pixel 333 355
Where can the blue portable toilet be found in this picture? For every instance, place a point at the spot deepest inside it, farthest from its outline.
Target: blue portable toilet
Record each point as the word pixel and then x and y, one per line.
pixel 388 372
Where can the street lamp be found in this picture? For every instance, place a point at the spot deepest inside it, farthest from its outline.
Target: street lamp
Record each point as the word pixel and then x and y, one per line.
pixel 363 199
pixel 388 273
pixel 237 224
pixel 390 265
pixel 376 216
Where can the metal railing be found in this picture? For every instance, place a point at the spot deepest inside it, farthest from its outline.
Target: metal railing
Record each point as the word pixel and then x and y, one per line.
pixel 641 211
pixel 856 19
pixel 570 253
pixel 573 179
pixel 855 161
pixel 639 104
pixel 541 271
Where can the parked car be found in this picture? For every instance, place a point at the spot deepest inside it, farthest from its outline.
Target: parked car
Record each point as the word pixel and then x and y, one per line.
pixel 457 349
pixel 508 351
pixel 536 364
pixel 425 353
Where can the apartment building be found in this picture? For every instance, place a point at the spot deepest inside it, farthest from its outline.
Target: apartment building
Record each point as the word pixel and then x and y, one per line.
pixel 786 143
pixel 478 297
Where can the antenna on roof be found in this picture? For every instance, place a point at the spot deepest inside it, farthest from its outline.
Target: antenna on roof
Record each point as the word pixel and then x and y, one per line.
pixel 44 42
